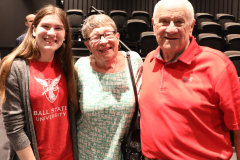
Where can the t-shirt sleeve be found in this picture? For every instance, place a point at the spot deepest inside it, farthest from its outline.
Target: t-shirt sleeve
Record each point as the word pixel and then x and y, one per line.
pixel 227 91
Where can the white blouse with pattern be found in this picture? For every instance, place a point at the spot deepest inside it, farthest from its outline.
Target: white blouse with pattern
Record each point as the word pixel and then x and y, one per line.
pixel 107 106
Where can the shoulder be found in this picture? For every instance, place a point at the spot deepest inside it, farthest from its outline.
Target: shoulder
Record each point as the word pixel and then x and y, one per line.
pixel 21 37
pixel 19 66
pixel 18 73
pixel 82 60
pixel 214 55
pixel 134 55
pixel 83 64
pixel 20 62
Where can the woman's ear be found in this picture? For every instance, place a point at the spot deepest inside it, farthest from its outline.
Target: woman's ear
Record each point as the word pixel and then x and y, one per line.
pixel 33 33
pixel 118 35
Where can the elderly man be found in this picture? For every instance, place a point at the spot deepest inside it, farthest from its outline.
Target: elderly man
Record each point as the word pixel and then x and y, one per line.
pixel 190 94
pixel 28 23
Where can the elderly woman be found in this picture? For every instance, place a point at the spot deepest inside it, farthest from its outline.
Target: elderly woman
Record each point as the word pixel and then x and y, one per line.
pixel 106 92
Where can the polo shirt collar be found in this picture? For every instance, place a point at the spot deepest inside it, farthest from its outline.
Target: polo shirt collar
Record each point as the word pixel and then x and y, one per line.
pixel 186 57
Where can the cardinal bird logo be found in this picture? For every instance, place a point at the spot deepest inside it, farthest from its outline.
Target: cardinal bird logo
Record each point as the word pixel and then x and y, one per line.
pixel 50 88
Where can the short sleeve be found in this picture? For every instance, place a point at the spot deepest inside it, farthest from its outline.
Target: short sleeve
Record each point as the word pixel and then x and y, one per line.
pixel 227 91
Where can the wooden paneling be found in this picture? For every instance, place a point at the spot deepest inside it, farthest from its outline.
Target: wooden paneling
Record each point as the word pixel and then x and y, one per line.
pixel 208 6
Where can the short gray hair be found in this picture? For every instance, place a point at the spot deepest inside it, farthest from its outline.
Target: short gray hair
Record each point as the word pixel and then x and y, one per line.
pixel 95 21
pixel 190 10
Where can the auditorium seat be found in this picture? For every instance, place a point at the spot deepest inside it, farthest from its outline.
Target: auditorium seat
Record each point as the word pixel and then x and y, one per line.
pixel 134 27
pixel 203 17
pixel 211 40
pixel 234 56
pixel 233 42
pixel 120 18
pixel 143 15
pixel 222 18
pixel 231 28
pixel 210 27
pixel 147 43
pixel 92 12
pixel 76 18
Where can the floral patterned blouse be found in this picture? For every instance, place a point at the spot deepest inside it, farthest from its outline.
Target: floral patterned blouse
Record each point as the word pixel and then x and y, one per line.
pixel 107 106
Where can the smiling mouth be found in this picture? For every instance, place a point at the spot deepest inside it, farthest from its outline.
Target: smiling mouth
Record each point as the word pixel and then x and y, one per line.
pixel 50 41
pixel 169 38
pixel 106 49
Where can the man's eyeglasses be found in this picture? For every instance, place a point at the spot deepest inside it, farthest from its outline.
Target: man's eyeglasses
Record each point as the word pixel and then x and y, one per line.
pixel 106 35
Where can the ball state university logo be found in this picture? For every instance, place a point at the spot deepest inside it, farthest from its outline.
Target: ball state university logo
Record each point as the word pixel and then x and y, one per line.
pixel 50 88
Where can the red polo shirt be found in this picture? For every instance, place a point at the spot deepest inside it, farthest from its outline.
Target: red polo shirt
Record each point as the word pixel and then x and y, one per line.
pixel 188 106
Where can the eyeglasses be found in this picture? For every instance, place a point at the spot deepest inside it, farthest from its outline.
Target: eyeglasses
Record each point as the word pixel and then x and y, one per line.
pixel 97 37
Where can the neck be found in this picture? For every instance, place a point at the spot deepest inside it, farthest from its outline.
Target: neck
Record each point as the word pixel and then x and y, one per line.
pixel 169 56
pixel 107 64
pixel 114 65
pixel 46 57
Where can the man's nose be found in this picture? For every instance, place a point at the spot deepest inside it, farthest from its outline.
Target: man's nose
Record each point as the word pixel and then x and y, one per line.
pixel 171 28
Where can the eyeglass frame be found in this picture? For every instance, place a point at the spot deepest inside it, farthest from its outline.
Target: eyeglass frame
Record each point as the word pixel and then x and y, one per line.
pixel 89 38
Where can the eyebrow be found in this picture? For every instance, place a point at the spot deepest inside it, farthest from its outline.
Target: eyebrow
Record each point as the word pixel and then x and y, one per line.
pixel 175 18
pixel 101 33
pixel 45 23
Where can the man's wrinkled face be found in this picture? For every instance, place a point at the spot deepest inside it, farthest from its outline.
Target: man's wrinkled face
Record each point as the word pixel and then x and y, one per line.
pixel 172 28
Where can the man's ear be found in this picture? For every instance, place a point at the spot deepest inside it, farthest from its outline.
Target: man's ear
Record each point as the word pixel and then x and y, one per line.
pixel 152 21
pixel 193 23
pixel 26 23
pixel 192 27
pixel 88 46
pixel 153 27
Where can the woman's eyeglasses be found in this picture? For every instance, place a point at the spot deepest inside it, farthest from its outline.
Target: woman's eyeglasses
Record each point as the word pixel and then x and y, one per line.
pixel 106 35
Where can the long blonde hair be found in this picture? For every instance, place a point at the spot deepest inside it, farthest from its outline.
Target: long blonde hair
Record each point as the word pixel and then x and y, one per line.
pixel 28 50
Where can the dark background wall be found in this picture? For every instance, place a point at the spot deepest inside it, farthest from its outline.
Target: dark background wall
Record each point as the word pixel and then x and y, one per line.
pixel 12 20
pixel 209 6
pixel 108 5
pixel 13 12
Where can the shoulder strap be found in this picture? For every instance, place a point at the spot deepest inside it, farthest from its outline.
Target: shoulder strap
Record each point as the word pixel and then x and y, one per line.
pixel 134 118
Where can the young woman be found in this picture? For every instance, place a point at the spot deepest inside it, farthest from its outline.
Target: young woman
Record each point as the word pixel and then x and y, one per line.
pixel 35 78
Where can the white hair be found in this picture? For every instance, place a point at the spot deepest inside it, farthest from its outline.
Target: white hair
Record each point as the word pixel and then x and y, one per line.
pixel 190 10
